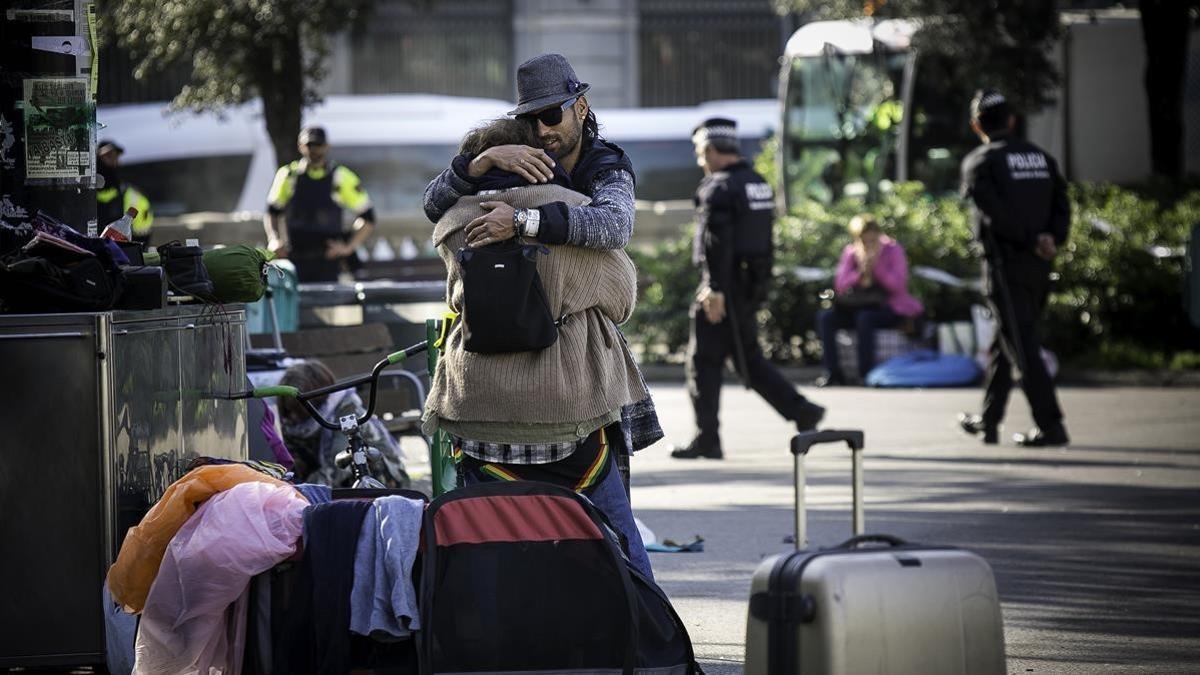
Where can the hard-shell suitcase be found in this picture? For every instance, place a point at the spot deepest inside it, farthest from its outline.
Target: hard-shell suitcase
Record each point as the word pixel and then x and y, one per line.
pixel 873 604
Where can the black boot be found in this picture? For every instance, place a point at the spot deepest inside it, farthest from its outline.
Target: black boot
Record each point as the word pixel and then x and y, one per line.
pixel 186 273
pixel 699 448
pixel 974 425
pixel 1055 436
pixel 833 379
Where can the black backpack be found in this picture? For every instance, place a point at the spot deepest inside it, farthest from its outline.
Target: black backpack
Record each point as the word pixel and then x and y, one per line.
pixel 529 577
pixel 36 284
pixel 504 303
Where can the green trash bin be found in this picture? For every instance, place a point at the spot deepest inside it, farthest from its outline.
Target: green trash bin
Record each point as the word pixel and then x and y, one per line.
pixel 442 468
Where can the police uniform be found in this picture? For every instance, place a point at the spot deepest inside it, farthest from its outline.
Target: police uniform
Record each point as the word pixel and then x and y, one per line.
pixel 1018 194
pixel 117 197
pixel 114 201
pixel 311 202
pixel 733 248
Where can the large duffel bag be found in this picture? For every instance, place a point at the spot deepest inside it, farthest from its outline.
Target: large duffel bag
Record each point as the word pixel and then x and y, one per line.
pixel 925 368
pixel 873 604
pixel 528 577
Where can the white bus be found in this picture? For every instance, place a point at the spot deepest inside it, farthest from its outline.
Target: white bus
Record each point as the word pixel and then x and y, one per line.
pixel 212 172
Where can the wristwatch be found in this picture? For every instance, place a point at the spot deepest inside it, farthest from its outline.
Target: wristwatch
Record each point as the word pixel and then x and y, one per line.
pixel 527 222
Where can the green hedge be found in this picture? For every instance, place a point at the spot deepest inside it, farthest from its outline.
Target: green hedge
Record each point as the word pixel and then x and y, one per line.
pixel 1114 304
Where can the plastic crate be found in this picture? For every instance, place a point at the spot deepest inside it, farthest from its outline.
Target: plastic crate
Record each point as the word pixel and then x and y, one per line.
pixel 284 290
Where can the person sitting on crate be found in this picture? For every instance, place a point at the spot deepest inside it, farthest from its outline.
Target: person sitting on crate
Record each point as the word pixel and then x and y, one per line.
pixel 314 448
pixel 871 293
pixel 549 411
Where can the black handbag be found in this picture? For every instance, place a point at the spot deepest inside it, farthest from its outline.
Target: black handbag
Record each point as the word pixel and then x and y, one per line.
pixel 861 298
pixel 504 303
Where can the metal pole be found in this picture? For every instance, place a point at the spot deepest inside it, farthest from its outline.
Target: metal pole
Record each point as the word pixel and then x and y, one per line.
pixel 800 479
pixel 274 318
pixel 857 478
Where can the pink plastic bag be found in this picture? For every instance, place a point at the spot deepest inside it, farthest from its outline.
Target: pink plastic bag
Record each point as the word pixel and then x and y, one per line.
pixel 195 615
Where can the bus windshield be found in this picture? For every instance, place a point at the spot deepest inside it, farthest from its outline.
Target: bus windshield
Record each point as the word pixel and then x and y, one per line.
pixel 842 116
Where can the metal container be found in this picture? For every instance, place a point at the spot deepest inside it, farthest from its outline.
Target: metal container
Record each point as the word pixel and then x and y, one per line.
pixel 101 412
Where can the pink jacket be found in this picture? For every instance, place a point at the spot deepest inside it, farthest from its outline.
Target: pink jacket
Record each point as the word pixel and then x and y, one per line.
pixel 891 272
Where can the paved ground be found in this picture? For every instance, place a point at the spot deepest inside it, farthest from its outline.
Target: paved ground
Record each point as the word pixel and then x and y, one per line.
pixel 1096 548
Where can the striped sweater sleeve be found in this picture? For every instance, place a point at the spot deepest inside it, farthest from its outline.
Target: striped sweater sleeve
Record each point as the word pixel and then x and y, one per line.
pixel 606 223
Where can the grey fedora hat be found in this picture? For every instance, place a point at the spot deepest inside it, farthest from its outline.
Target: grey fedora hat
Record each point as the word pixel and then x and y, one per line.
pixel 544 81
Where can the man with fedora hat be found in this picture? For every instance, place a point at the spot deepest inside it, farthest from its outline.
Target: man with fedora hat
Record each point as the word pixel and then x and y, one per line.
pixel 554 102
pixel 735 215
pixel 309 195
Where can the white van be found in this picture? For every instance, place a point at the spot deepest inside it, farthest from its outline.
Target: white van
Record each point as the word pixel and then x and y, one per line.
pixel 222 166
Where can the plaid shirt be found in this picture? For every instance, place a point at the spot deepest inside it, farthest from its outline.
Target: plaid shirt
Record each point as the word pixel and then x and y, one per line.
pixel 515 453
pixel 639 429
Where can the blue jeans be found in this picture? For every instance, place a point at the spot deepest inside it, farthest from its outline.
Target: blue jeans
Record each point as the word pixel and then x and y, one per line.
pixel 865 321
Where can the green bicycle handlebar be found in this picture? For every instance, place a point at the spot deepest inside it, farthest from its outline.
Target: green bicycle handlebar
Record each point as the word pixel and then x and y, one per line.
pixel 280 390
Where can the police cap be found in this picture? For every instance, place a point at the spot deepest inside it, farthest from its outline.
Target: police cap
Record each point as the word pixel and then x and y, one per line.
pixel 313 136
pixel 714 128
pixel 107 145
pixel 990 108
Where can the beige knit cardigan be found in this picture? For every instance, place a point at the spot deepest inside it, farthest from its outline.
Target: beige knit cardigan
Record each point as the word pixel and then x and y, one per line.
pixel 585 374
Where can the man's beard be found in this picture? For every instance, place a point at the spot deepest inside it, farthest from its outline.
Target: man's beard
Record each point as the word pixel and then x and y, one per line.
pixel 566 144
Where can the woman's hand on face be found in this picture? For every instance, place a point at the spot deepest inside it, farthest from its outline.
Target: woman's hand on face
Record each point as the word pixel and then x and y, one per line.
pixel 532 164
pixel 492 227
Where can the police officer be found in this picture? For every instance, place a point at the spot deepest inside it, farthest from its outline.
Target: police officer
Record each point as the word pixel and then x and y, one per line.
pixel 733 249
pixel 116 196
pixel 1022 216
pixel 309 195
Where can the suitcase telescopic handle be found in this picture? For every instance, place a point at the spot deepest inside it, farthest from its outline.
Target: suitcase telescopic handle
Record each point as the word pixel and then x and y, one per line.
pixel 859 540
pixel 801 444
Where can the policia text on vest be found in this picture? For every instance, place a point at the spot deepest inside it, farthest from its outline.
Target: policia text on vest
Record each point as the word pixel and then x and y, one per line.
pixel 310 195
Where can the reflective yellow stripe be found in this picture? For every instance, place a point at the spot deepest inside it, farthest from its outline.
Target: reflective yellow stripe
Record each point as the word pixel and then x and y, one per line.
pixel 283 186
pixel 145 216
pixel 348 190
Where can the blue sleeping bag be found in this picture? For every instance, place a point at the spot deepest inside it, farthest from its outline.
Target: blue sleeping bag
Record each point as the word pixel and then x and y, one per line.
pixel 925 368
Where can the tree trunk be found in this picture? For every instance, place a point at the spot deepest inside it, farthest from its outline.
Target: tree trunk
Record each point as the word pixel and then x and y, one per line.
pixel 281 83
pixel 1165 28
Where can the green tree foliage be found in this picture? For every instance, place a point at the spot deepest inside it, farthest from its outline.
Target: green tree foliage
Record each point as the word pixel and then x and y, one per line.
pixel 968 43
pixel 238 50
pixel 1117 300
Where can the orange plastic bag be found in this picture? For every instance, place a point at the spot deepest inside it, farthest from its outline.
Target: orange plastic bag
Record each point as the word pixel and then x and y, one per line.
pixel 142 551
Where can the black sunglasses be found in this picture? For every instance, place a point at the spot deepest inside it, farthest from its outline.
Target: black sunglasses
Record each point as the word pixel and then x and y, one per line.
pixel 551 117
